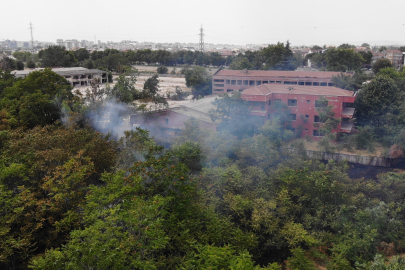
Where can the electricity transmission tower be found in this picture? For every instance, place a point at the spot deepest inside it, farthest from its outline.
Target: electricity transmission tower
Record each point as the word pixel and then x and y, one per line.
pixel 201 39
pixel 32 37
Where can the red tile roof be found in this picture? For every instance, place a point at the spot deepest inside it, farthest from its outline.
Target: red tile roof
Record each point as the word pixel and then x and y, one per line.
pixel 278 73
pixel 266 89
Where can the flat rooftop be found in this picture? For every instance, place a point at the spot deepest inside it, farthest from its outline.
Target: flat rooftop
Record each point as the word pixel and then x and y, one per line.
pixel 198 109
pixel 277 73
pixel 267 89
pixel 61 71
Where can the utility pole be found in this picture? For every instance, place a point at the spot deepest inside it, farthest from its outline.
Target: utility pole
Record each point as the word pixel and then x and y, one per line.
pixel 201 39
pixel 32 37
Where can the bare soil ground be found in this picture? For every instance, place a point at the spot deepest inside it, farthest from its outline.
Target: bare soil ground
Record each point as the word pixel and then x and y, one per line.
pixel 166 84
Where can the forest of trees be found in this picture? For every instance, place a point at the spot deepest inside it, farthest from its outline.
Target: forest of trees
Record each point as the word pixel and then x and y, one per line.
pixel 76 195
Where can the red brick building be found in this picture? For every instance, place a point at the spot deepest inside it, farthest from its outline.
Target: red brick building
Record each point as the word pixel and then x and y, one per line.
pixel 224 81
pixel 302 104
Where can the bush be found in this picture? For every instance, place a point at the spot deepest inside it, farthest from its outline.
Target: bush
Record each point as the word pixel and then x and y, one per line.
pixel 162 70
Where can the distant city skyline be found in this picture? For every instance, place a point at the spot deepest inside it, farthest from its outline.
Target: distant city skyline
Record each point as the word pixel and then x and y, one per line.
pixel 311 22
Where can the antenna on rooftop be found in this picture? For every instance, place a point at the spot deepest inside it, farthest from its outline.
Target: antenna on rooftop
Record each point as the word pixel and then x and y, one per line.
pixel 201 39
pixel 32 37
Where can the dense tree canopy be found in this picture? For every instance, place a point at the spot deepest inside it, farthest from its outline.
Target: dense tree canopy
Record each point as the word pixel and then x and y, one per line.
pixel 57 56
pixel 72 196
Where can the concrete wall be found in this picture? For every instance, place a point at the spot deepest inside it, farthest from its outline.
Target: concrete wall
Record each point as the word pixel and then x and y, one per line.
pixel 364 160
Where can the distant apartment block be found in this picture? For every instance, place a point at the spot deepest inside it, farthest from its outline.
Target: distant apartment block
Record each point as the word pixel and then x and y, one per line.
pixel 302 103
pixel 224 81
pixel 77 76
pixel 396 58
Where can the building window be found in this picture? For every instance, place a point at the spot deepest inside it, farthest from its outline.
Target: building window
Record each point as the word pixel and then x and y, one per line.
pixel 306 130
pixel 239 82
pixel 315 84
pixel 324 84
pixel 330 84
pixel 317 119
pixel 308 101
pixel 233 82
pixel 258 82
pixel 319 104
pixel 292 102
pixel 218 80
pixel 307 116
pixel 219 90
pixel 308 83
pixel 293 116
pixel 317 133
pixel 301 83
pixel 265 82
pixel 167 121
pixel 251 82
pixel 269 102
pixel 288 82
pixel 272 82
pixel 229 90
pixel 219 85
pixel 278 82
pixel 227 82
pixel 245 82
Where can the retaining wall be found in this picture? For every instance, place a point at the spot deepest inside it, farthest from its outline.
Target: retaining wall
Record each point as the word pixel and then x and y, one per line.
pixel 359 159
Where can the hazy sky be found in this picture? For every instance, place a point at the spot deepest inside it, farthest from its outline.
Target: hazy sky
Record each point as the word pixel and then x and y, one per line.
pixel 309 22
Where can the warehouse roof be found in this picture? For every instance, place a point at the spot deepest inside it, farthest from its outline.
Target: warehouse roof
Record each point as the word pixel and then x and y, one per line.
pixel 198 109
pixel 61 71
pixel 266 89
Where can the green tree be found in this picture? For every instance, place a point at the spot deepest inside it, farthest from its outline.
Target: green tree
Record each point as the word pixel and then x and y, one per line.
pixel 382 48
pixel 8 64
pixel 30 64
pixel 46 176
pixel 343 60
pixel 240 63
pixel 199 80
pixel 162 70
pixel 367 56
pixel 57 56
pixel 377 101
pixel 381 63
pixel 278 57
pixel 124 89
pixel 20 65
pixel 316 47
pixel 346 46
pixel 36 99
pixel 82 54
pixel 22 56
